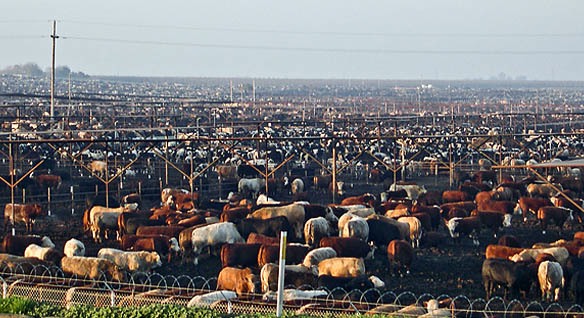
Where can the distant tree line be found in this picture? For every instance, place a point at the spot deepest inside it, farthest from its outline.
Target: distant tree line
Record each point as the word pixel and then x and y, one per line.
pixel 32 69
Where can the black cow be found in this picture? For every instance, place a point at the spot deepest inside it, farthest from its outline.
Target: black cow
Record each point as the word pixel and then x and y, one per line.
pixel 269 227
pixel 514 277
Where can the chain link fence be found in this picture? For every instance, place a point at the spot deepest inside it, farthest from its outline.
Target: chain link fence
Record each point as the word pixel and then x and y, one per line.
pixel 51 285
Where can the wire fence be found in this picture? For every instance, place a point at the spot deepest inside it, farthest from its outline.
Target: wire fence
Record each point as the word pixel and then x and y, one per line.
pixel 52 285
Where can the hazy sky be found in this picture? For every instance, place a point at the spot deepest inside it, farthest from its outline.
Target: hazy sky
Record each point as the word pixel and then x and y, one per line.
pixel 382 39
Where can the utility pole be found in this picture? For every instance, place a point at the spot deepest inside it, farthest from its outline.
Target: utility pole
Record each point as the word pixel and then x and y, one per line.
pixel 54 37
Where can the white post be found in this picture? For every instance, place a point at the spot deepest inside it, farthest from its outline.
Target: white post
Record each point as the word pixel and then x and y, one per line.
pixel 49 200
pixel 281 271
pixel 23 195
pixel 72 200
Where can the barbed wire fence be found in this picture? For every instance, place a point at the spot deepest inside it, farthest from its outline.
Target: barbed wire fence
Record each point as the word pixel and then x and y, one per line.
pixel 51 285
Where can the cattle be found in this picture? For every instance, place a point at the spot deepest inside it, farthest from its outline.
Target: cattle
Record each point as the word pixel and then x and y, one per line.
pixel 526 205
pixel 234 215
pixel 268 227
pixel 485 196
pixel 413 190
pixel 74 247
pixel 349 247
pixel 132 261
pixel 16 244
pixel 488 177
pixel 505 207
pixel 295 275
pixel 255 238
pixel 295 254
pixel 467 206
pixel 342 267
pixel 168 230
pixel 212 235
pixel 366 199
pixel 543 190
pixel 162 244
pixel 17 264
pixel 240 254
pixel 98 168
pixel 509 240
pixel 296 186
pixel 400 253
pixel 92 268
pixel 49 181
pixel 432 211
pixel 404 228
pixel 381 232
pixel 561 254
pixel 469 226
pixel 449 196
pixel 102 220
pixel 573 204
pixel 47 254
pixel 514 277
pixel 226 172
pixel 398 212
pixel 315 256
pixel 315 229
pixel 430 198
pixel 324 182
pixel 551 279
pixel 241 281
pixel 501 251
pixel 206 300
pixel 128 222
pixel 291 295
pixel 293 212
pixel 494 220
pixel 545 214
pixel 355 227
pixel 250 188
pixel 415 227
pixel 131 200
pixel 425 220
pixel 26 213
pixel 179 199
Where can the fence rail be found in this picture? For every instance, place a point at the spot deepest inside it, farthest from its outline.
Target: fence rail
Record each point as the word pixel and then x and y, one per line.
pixel 51 285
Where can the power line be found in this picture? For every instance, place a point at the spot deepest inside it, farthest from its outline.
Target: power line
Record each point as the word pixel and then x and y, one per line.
pixel 372 34
pixel 331 50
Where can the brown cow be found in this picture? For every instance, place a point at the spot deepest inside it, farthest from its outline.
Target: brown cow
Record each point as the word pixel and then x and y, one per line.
pixel 234 214
pixel 162 244
pixel 48 181
pixel 527 204
pixel 242 281
pixel 16 244
pixel 465 205
pixel 254 238
pixel 400 253
pixel 295 254
pixel 170 230
pixel 501 251
pixel 366 199
pixel 432 211
pixel 449 196
pixel 348 246
pixel 240 255
pixel 505 207
pixel 555 214
pixel 26 213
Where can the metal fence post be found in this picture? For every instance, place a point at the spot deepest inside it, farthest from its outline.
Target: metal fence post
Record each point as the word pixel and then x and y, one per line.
pixel 281 271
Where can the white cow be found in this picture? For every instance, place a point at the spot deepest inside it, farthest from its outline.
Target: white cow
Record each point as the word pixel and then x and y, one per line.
pixel 131 261
pixel 213 235
pixel 74 247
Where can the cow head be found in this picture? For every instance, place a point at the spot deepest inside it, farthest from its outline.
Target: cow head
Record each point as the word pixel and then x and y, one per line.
pixel 46 242
pixel 372 248
pixel 377 282
pixel 517 210
pixel 154 259
pixel 507 220
pixel 250 283
pixel 452 225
